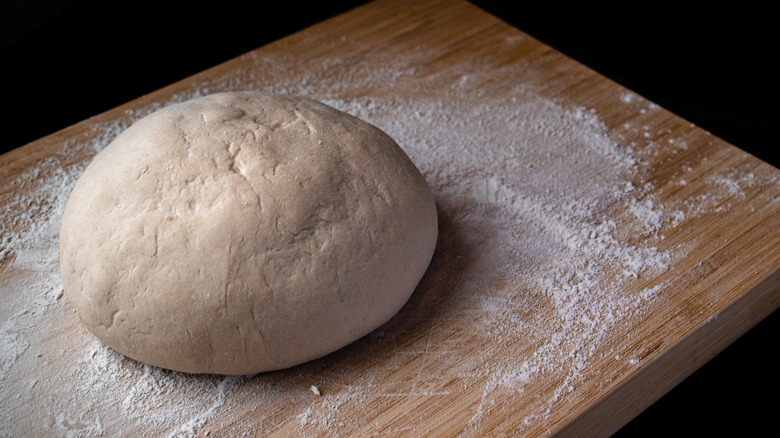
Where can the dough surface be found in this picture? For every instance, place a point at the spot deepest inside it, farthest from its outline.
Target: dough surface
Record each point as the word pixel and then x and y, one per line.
pixel 244 232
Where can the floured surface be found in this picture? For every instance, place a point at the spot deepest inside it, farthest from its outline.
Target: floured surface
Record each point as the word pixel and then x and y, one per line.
pixel 567 230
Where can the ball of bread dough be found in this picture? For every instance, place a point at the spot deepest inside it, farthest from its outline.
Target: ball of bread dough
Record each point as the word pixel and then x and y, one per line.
pixel 244 232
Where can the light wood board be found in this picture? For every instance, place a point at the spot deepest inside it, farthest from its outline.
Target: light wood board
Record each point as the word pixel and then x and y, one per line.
pixel 458 359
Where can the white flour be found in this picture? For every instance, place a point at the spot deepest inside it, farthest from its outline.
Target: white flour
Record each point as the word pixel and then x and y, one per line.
pixel 551 244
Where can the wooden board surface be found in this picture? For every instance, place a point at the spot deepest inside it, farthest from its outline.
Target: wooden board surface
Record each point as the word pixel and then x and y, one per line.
pixel 666 248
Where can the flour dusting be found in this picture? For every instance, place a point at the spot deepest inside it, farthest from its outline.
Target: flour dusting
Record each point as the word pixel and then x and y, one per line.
pixel 552 245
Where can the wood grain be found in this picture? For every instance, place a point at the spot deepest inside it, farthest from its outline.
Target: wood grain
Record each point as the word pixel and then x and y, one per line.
pixel 727 281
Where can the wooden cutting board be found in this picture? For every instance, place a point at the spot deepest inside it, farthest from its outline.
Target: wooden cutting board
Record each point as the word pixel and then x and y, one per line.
pixel 594 249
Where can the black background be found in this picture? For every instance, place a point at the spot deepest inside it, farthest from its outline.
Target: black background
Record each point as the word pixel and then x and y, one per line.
pixel 65 61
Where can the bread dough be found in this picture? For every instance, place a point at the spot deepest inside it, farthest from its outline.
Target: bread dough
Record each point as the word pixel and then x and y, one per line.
pixel 244 232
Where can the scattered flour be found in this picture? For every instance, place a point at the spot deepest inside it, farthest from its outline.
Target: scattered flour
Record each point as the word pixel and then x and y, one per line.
pixel 551 245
